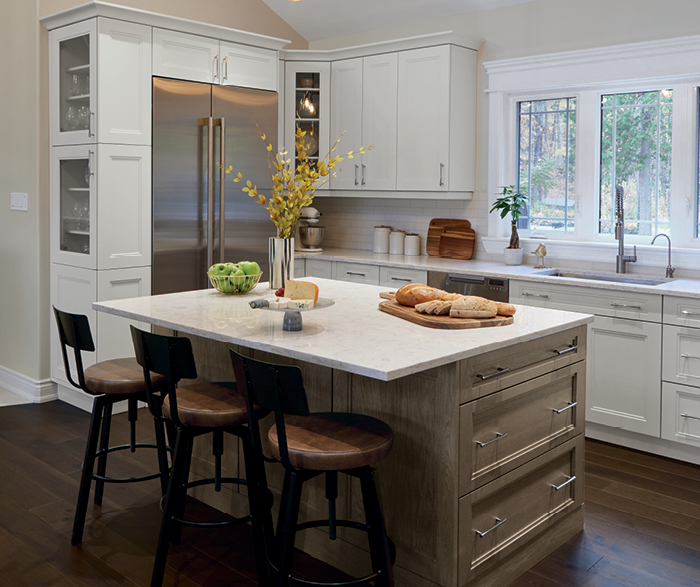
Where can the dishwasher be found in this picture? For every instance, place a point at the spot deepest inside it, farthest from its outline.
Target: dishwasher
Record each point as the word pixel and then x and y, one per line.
pixel 492 288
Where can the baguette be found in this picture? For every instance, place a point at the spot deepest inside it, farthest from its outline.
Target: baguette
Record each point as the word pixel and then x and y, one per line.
pixel 473 307
pixel 504 309
pixel 416 293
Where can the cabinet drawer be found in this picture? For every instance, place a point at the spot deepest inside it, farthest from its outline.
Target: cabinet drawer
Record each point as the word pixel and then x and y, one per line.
pixel 601 302
pixel 516 507
pixel 682 311
pixel 681 355
pixel 506 429
pixel 319 268
pixel 397 277
pixel 680 408
pixel 357 273
pixel 503 368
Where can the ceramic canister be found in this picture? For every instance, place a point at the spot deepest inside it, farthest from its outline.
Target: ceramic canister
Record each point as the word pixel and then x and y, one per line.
pixel 396 242
pixel 381 239
pixel 412 245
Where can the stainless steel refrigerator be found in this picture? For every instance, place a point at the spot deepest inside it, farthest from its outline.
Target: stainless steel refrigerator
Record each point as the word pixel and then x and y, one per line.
pixel 199 129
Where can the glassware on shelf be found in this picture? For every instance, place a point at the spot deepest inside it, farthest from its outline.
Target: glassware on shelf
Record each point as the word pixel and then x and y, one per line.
pixel 85 215
pixel 85 85
pixel 72 120
pixel 75 84
pixel 83 118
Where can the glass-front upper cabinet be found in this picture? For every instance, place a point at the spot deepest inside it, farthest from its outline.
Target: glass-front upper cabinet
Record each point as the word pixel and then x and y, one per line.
pixel 73 210
pixel 72 54
pixel 307 106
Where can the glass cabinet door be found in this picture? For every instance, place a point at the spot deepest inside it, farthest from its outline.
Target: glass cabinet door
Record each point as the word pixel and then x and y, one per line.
pixel 73 84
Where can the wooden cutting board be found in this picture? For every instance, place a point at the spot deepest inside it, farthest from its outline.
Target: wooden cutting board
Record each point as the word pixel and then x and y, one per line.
pixel 444 322
pixel 453 238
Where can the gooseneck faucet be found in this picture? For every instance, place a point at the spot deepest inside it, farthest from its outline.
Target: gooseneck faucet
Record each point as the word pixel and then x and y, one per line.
pixel 669 268
pixel 622 259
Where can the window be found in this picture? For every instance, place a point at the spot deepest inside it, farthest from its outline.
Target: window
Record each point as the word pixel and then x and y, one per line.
pixel 635 156
pixel 546 162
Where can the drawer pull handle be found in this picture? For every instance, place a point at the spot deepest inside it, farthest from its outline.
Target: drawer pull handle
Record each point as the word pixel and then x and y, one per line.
pixel 687 313
pixel 527 294
pixel 568 407
pixel 499 370
pixel 498 523
pixel 352 273
pixel 689 356
pixel 401 279
pixel 569 480
pixel 498 437
pixel 690 417
pixel 572 347
pixel 616 305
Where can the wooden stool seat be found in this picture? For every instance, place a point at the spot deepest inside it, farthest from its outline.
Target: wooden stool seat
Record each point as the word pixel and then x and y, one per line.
pixel 119 376
pixel 208 405
pixel 333 441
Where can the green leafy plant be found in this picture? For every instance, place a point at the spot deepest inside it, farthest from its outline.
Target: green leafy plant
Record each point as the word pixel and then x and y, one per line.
pixel 511 202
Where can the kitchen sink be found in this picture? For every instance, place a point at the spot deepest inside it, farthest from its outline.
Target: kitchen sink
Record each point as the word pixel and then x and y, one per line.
pixel 611 277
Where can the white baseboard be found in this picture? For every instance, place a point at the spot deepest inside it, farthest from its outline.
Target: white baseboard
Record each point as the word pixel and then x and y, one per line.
pixel 79 399
pixel 33 390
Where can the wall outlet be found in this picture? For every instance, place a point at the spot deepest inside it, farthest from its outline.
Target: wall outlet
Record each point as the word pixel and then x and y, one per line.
pixel 19 202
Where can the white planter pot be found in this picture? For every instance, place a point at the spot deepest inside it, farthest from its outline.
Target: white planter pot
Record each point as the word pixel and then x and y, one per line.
pixel 513 256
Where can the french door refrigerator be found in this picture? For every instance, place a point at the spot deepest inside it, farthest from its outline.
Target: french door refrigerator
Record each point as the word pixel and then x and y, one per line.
pixel 200 216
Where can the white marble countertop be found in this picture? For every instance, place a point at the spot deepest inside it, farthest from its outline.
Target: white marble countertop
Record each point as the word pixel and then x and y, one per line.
pixel 352 335
pixel 676 287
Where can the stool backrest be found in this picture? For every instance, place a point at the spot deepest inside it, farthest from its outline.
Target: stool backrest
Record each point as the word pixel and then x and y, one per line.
pixel 275 388
pixel 74 331
pixel 170 356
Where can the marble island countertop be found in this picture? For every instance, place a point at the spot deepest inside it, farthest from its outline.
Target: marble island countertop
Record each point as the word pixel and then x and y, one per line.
pixel 352 335
pixel 672 287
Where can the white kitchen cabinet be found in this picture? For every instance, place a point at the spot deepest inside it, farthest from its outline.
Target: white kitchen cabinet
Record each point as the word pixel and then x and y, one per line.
pixel 680 408
pixel 196 58
pixel 307 106
pixel 364 106
pixel 101 206
pixel 357 272
pixel 100 78
pixel 319 268
pixel 396 277
pixel 436 119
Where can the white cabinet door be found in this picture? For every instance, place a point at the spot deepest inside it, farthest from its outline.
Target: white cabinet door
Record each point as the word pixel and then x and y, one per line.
pixel 123 206
pixel 379 108
pixel 73 289
pixel 623 388
pixel 357 272
pixel 186 57
pixel 319 268
pixel 248 67
pixel 681 413
pixel 396 277
pixel 123 111
pixel 346 120
pixel 72 83
pixel 113 336
pixel 423 119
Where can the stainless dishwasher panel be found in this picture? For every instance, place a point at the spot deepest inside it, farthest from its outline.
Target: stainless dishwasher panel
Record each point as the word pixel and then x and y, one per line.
pixel 492 288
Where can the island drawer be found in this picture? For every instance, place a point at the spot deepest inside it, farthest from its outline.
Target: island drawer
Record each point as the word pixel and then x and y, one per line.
pixel 357 272
pixel 506 429
pixel 681 355
pixel 500 517
pixel 682 311
pixel 511 365
pixel 680 409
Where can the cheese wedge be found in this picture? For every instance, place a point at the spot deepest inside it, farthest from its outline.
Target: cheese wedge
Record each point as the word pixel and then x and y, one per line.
pixel 300 304
pixel 301 290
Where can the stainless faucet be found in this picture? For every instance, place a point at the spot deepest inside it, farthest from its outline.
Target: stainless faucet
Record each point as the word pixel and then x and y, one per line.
pixel 669 268
pixel 621 259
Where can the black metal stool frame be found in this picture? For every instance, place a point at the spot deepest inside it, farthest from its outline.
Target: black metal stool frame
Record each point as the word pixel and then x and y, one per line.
pixel 280 389
pixel 74 331
pixel 172 357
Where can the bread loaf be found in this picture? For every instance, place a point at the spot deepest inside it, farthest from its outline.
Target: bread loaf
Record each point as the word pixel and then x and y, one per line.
pixel 416 293
pixel 504 309
pixel 473 307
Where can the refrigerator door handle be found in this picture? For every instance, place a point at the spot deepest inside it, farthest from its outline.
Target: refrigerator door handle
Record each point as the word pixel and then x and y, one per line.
pixel 221 122
pixel 210 192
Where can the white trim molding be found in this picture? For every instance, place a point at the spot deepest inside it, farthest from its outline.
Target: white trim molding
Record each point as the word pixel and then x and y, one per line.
pixel 33 390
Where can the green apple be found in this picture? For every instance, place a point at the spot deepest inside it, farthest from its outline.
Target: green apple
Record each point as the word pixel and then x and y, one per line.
pixel 237 270
pixel 249 267
pixel 220 269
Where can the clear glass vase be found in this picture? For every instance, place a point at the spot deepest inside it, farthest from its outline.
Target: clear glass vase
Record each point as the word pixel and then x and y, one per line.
pixel 281 261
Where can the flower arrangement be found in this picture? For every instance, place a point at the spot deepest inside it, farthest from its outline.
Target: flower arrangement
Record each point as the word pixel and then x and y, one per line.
pixel 293 188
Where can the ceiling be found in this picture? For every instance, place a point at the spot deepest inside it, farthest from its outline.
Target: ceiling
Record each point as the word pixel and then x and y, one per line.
pixel 316 20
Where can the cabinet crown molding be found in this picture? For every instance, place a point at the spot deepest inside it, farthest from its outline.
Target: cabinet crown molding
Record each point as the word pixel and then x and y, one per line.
pixel 105 9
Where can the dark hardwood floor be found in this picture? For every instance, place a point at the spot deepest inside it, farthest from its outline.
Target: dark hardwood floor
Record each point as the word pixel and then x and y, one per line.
pixel 642 519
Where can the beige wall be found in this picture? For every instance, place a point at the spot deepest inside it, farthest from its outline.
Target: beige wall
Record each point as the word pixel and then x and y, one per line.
pixel 25 318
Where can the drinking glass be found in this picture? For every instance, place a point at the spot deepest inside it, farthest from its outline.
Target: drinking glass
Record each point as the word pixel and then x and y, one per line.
pixel 72 121
pixel 83 117
pixel 75 84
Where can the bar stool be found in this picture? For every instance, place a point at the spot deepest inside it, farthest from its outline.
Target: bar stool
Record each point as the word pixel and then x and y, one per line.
pixel 109 382
pixel 309 445
pixel 195 410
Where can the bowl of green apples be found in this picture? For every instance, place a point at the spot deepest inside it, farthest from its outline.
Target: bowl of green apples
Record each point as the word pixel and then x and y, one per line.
pixel 234 278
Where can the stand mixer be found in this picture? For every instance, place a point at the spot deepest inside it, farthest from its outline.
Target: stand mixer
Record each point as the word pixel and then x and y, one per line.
pixel 308 234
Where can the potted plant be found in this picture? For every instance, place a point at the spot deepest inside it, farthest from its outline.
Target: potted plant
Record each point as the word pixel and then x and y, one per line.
pixel 511 202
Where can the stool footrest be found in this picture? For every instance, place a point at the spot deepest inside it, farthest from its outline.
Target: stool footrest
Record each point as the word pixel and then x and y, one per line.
pixel 128 446
pixel 104 479
pixel 222 524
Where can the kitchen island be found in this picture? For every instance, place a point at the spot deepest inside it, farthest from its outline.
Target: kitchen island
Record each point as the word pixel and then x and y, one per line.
pixel 486 474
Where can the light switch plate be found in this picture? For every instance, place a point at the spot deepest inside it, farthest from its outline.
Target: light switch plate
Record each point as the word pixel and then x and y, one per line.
pixel 19 202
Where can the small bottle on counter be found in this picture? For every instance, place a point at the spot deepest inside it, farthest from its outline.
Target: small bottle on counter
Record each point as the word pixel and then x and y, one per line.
pixel 381 239
pixel 412 245
pixel 396 242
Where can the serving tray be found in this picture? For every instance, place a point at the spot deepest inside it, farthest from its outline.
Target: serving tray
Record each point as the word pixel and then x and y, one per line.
pixel 444 322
